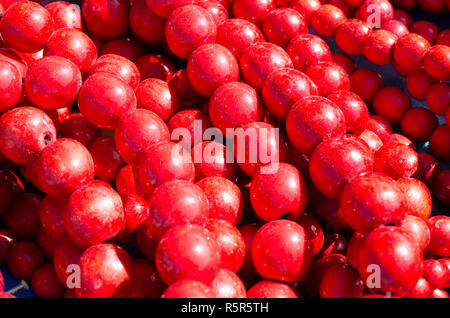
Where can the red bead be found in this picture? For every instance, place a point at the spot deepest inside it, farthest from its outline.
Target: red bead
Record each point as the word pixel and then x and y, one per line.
pixel 145 24
pixel 333 244
pixel 443 38
pixel 26 26
pixel 432 6
pixel 24 132
pixel 282 251
pixel 7 239
pixel 254 11
pixel 435 273
pixel 280 194
pixel 180 84
pixel 391 103
pixel 260 60
pixel 344 61
pixel 119 67
pixel 354 109
pixel 186 288
pixel 398 257
pixel 224 198
pixel 308 49
pixel 164 8
pixel 155 95
pixel 228 285
pixel 378 47
pixel 396 160
pixel 94 214
pixel 440 235
pixel 147 283
pixel 126 47
pixel 318 270
pixel 425 29
pixel 45 283
pixel 46 242
pixel 382 8
pixel 380 126
pixel 417 229
pixel 326 209
pixel 63 167
pixel 437 62
pixel 329 77
pixel 283 88
pixel 419 123
pixel 11 85
pixel 23 259
pixel 175 203
pixel 366 83
pixel 73 45
pixel 282 24
pixel 107 160
pixel 441 187
pixel 51 211
pixel 65 15
pixel 212 159
pixel 446 263
pixel 155 66
pixel 190 119
pixel 238 34
pixel 313 231
pixel 351 34
pixel 187 28
pixel 66 254
pixel 215 8
pixel 270 289
pixel 428 168
pixel 327 19
pixel 230 241
pixel 438 98
pixel 106 19
pixel 233 105
pixel 341 282
pixel 418 197
pixel 336 161
pixel 188 252
pixel 75 126
pixel 136 213
pixel 106 272
pixel 396 27
pixel 306 131
pixel 210 66
pixel 410 50
pixel 165 161
pixel 371 200
pixel 146 242
pixel 403 17
pixel 306 8
pixel 23 216
pixel 11 57
pixel 344 6
pixel 103 99
pixel 440 142
pixel 418 83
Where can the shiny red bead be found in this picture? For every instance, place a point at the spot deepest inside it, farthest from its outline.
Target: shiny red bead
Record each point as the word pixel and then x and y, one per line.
pixel 351 35
pixel 10 85
pixel 417 229
pixel 366 83
pixel 355 110
pixel 270 289
pixel 155 66
pixel 419 124
pixel 396 27
pixel 378 47
pixel 107 160
pixel 253 11
pixel 65 15
pixel 436 62
pixel 327 19
pixel 145 24
pixel 308 49
pixel 391 103
pixel 282 24
pixel 417 196
pixel 341 282
pixel 371 200
pixel 106 19
pixel 441 186
pixel 344 61
pixel 410 50
pixel 228 285
pixel 440 235
pixel 329 77
pixel 306 8
pixel 186 288
pixel 383 8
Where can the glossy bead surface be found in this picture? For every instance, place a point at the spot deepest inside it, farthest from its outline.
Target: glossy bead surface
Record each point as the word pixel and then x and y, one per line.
pixel 283 88
pixel 228 285
pixel 440 142
pixel 260 60
pixel 440 235
pixel 282 24
pixel 65 15
pixel 399 259
pixel 366 83
pixel 51 211
pixel 253 11
pixel 155 95
pixel 328 77
pixel 210 66
pixel 341 282
pixel 438 98
pixel 280 194
pixel 175 203
pixel 327 19
pixel 234 105
pixel 417 196
pixel 336 161
pixel 306 8
pixel 378 47
pixel 437 62
pixel 63 167
pixel 155 66
pixel 311 120
pixel 396 160
pixel 313 231
pixel 187 28
pixel 24 132
pixel 107 160
pixel 106 272
pixel 26 26
pixel 351 35
pixel 270 289
pixel 383 8
pixel 73 45
pixel 188 252
pixel 417 229
pixel 106 19
pixel 145 24
pixel 344 61
pixel 418 82
pixel 396 27
pixel 391 103
pixel 94 214
pixel 76 127
pixel 10 85
pixel 308 49
pixel 410 50
pixel 224 198
pixel 165 161
pixel 136 131
pixel 380 126
pixel 355 110
pixel 212 159
pixel 371 200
